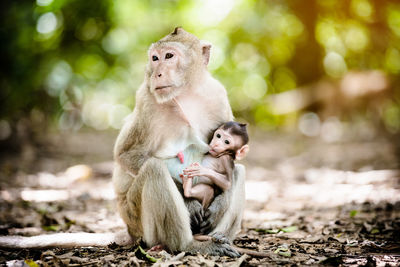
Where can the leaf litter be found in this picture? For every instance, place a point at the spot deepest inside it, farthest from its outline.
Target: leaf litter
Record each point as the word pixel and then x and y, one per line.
pixel 307 218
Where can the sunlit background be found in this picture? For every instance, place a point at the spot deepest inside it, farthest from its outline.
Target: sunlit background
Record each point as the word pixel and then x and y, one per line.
pixel 310 66
pixel 317 80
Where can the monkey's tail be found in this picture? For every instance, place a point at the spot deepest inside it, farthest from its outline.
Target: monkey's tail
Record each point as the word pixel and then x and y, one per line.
pixel 253 253
pixel 65 240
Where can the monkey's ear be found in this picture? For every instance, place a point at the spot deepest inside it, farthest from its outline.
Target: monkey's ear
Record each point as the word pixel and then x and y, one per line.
pixel 205 49
pixel 242 152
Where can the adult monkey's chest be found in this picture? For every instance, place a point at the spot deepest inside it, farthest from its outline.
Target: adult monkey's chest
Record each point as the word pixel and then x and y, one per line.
pixel 182 125
pixel 192 126
pixel 197 111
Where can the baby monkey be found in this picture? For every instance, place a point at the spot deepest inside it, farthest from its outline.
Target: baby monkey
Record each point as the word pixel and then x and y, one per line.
pixel 229 143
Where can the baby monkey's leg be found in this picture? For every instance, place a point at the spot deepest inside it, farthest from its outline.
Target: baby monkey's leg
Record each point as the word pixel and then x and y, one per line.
pixel 208 195
pixel 202 192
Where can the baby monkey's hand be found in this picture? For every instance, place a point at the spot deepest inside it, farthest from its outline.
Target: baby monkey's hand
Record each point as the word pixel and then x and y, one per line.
pixel 195 169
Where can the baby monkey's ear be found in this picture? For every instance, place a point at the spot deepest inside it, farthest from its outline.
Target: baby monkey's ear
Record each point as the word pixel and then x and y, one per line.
pixel 242 152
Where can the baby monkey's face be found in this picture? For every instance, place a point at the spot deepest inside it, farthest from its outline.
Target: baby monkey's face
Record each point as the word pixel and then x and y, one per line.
pixel 224 141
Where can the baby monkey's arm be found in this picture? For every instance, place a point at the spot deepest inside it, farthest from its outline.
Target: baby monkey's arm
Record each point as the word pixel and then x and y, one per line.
pixel 223 181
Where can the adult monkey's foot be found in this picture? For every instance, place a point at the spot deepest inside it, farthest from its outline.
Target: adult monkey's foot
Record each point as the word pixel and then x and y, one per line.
pixel 228 250
pixel 214 249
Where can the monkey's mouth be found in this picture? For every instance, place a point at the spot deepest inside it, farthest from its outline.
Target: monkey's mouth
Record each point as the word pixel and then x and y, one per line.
pixel 163 87
pixel 212 152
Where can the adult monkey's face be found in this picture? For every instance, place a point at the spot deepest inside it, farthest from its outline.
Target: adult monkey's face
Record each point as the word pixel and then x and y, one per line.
pixel 176 62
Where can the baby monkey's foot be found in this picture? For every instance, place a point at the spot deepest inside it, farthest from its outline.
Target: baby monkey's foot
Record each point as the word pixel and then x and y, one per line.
pixel 186 184
pixel 219 237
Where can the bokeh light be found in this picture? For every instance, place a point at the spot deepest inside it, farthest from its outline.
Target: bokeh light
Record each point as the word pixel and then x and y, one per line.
pixel 47 23
pixel 335 65
pixel 356 37
pixel 331 130
pixel 392 60
pixel 309 124
pixel 116 41
pixel 59 78
pixel 254 86
pixel 362 9
pixel 393 18
pixel 43 2
pixel 277 59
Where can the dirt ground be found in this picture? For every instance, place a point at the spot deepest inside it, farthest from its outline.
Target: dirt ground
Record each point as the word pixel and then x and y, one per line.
pixel 309 202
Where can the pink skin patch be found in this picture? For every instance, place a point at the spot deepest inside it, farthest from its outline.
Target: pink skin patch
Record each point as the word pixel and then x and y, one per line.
pixel 181 157
pixel 157 248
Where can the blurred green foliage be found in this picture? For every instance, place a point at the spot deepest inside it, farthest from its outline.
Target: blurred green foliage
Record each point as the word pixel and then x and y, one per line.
pixel 79 63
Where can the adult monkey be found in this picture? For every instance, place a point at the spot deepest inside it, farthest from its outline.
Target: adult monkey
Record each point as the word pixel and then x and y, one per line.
pixel 177 107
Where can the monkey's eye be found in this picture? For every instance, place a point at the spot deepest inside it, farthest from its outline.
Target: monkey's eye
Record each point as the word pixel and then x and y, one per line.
pixel 218 136
pixel 227 142
pixel 155 58
pixel 168 55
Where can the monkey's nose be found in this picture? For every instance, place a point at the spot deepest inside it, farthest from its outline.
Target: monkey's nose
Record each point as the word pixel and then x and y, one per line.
pixel 159 75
